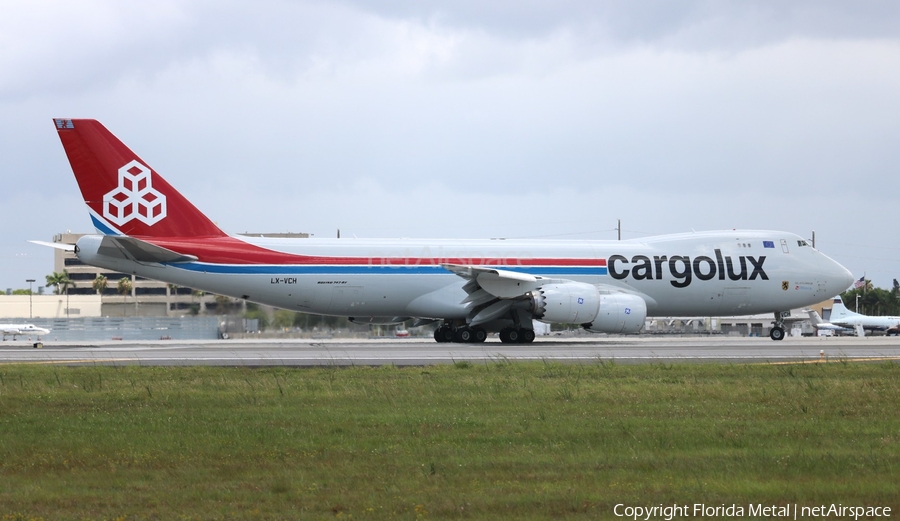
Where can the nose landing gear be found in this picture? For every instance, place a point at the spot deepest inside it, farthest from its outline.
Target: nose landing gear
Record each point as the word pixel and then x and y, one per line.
pixel 777 332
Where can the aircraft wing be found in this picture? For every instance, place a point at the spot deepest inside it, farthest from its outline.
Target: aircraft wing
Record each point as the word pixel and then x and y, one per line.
pixel 496 283
pixel 490 291
pixel 848 323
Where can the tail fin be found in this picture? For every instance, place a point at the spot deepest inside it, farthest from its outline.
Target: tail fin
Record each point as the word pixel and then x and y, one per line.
pixel 123 194
pixel 814 316
pixel 839 311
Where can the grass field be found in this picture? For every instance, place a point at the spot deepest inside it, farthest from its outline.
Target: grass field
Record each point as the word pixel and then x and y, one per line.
pixel 468 441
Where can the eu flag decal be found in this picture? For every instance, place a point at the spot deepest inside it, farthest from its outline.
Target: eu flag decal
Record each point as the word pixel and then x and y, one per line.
pixel 768 244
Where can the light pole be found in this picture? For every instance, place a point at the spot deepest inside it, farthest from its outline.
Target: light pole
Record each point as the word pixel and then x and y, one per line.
pixel 29 281
pixel 857 303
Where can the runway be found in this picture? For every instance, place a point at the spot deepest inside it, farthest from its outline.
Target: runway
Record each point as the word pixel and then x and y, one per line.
pixel 421 352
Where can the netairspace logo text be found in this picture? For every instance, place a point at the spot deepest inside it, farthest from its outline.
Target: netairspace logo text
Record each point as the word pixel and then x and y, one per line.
pixel 786 511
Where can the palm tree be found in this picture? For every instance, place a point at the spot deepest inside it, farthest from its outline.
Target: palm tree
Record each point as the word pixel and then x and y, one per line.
pixel 99 284
pixel 124 288
pixel 61 282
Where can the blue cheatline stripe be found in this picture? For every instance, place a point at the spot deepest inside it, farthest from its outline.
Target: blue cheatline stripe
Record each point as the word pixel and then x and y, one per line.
pixel 299 269
pixel 294 269
pixel 102 227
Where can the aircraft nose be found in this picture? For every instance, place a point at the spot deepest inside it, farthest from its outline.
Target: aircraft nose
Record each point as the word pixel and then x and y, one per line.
pixel 839 277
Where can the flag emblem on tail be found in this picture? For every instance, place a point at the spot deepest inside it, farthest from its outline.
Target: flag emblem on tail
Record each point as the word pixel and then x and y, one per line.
pixel 134 198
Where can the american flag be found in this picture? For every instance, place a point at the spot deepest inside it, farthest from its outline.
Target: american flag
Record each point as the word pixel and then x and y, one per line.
pixel 860 283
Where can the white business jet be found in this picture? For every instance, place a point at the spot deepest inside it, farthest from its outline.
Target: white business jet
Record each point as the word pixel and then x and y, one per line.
pixel 842 316
pixel 16 330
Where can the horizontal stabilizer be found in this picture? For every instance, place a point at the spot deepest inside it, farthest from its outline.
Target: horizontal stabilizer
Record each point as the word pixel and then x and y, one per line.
pixel 57 245
pixel 121 247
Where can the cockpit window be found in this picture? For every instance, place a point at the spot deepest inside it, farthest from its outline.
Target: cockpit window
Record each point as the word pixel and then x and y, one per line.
pixel 801 242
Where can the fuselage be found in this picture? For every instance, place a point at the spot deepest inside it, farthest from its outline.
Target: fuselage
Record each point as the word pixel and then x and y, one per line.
pixel 22 329
pixel 705 273
pixel 874 323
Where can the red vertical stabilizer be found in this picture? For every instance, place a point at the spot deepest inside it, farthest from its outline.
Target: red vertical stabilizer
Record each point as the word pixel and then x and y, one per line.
pixel 124 194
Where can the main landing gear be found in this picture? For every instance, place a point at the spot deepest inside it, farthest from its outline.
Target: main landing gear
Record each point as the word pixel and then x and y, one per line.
pixel 476 335
pixel 517 335
pixel 461 335
pixel 777 332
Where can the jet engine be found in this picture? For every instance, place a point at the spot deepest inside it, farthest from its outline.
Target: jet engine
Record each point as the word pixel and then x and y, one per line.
pixel 580 303
pixel 571 302
pixel 619 313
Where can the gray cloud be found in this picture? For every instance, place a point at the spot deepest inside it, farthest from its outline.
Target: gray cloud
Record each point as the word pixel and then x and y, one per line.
pixel 468 119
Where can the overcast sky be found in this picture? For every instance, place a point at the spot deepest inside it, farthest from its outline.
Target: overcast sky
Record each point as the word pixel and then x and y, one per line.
pixel 467 119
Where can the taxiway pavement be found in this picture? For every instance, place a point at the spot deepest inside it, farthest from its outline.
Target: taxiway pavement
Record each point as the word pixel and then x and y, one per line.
pixel 412 351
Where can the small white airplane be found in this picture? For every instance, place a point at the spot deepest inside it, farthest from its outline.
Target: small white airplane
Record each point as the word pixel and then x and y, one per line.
pixel 842 316
pixel 22 330
pixel 821 325
pixel 470 287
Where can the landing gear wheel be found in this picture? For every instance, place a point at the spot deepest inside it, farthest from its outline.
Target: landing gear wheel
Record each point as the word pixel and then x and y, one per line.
pixel 527 336
pixel 443 334
pixel 463 335
pixel 777 333
pixel 517 336
pixel 479 335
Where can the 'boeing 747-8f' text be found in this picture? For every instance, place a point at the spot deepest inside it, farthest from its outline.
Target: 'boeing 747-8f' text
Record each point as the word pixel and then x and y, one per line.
pixel 471 287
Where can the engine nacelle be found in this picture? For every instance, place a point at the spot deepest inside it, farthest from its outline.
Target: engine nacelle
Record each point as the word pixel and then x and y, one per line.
pixel 570 302
pixel 580 303
pixel 619 313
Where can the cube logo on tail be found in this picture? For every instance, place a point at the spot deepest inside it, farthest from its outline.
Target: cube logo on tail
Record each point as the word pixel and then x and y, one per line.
pixel 134 198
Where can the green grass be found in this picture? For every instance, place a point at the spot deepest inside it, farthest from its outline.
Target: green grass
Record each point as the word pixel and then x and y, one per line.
pixel 468 440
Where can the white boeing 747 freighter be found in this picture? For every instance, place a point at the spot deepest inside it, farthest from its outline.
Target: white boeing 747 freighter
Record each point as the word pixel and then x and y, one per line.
pixel 471 287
